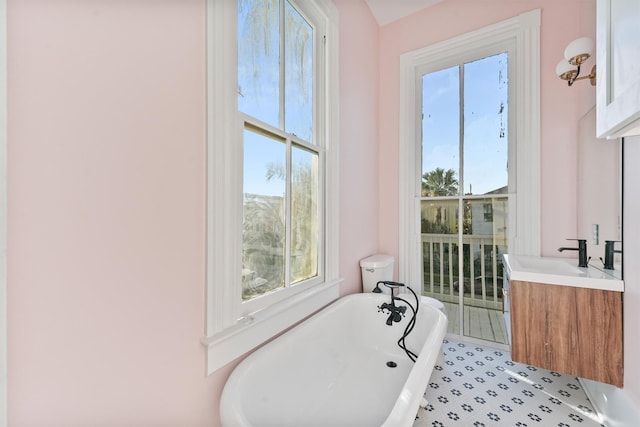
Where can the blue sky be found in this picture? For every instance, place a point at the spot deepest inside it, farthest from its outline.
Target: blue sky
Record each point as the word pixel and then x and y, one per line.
pixel 485 150
pixel 259 152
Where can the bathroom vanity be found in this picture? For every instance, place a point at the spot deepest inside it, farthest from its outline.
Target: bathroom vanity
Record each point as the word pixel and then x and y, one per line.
pixel 565 318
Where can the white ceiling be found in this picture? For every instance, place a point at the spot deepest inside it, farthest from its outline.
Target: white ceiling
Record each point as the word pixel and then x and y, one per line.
pixel 387 11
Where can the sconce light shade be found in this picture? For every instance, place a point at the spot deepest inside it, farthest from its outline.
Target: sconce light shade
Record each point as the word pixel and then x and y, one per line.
pixel 576 53
pixel 563 68
pixel 579 50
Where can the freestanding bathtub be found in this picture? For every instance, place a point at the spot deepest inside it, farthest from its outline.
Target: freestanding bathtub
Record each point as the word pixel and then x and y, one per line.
pixel 333 370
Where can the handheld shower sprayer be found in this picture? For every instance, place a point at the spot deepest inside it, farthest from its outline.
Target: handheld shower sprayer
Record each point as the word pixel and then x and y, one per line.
pixel 397 312
pixel 389 284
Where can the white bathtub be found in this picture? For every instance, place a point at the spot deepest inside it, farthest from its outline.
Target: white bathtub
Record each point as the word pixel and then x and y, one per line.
pixel 331 370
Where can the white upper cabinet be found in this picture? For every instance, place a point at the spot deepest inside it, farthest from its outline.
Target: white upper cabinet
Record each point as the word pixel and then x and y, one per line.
pixel 618 72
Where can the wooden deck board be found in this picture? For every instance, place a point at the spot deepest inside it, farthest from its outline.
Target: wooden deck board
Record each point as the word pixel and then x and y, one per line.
pixel 453 316
pixel 481 323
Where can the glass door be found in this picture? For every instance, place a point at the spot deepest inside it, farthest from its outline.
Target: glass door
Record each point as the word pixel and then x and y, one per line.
pixel 465 193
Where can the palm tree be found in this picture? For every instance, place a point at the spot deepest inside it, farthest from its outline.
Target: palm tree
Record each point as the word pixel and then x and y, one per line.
pixel 439 182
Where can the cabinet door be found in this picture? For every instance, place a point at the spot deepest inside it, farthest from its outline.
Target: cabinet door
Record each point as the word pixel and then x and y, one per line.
pixel 572 330
pixel 618 68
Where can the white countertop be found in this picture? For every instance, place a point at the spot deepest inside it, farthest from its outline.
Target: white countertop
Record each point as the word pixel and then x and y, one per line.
pixel 560 271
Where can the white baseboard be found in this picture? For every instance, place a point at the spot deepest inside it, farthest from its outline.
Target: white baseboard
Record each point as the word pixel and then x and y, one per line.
pixel 611 403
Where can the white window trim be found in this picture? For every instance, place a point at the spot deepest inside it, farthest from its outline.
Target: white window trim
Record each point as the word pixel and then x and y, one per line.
pixel 228 335
pixel 3 215
pixel 524 235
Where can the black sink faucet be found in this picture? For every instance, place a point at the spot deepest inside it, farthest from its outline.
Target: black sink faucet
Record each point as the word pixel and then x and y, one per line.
pixel 609 251
pixel 582 252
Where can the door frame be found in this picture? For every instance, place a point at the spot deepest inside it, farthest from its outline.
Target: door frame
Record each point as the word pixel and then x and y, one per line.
pixel 524 226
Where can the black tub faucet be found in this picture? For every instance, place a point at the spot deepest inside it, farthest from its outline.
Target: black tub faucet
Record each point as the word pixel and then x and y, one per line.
pixel 395 312
pixel 582 252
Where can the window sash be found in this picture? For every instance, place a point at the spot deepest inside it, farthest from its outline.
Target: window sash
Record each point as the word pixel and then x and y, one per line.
pixel 273 56
pixel 247 307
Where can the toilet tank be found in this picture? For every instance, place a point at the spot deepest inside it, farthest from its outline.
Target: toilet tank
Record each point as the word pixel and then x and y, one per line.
pixel 375 268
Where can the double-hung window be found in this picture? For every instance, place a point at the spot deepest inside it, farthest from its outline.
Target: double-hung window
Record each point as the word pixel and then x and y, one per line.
pixel 272 136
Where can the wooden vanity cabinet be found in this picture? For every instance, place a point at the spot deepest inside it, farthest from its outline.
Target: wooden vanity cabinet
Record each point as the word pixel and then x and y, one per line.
pixel 572 330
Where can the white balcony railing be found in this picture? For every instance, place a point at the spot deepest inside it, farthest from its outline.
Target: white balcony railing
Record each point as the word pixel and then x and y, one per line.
pixel 480 276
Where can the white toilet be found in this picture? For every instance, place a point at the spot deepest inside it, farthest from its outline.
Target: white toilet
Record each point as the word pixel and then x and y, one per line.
pixel 380 267
pixel 374 269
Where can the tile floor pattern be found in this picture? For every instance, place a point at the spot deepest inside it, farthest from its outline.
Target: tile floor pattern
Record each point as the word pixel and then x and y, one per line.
pixel 480 386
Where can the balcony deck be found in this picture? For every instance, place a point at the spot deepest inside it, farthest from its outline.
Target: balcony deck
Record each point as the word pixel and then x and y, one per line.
pixel 481 323
pixel 479 279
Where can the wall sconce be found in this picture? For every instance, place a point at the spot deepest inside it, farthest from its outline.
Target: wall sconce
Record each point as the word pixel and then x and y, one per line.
pixel 576 53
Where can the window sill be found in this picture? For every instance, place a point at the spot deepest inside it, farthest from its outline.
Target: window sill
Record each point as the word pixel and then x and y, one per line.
pixel 255 329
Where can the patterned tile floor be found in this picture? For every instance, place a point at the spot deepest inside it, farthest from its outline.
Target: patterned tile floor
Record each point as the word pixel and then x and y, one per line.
pixel 480 386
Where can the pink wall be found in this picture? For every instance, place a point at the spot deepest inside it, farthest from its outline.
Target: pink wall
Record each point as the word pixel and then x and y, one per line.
pixel 107 141
pixel 107 213
pixel 561 106
pixel 359 139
